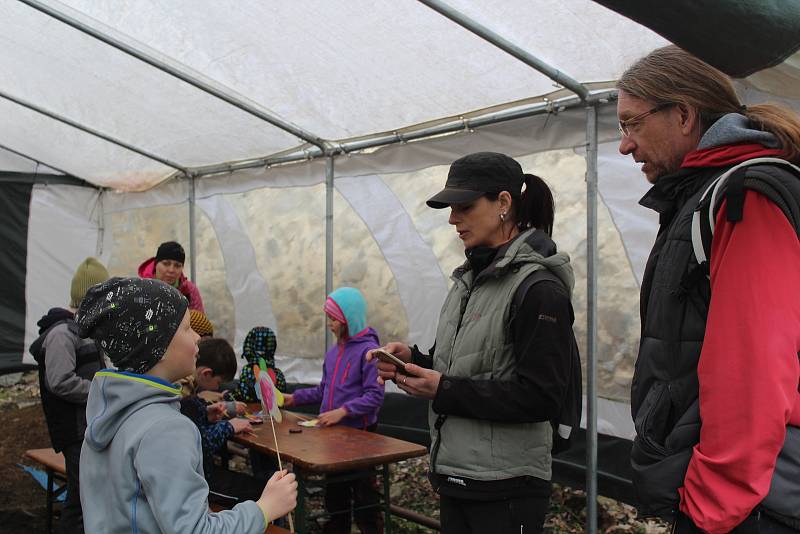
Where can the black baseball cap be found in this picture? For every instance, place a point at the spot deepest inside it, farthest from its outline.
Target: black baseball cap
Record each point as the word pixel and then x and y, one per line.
pixel 476 174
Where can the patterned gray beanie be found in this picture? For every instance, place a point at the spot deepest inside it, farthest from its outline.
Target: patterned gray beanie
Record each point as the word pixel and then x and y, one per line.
pixel 133 320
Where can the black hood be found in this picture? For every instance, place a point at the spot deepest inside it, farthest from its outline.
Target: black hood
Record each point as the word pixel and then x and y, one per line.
pixel 53 316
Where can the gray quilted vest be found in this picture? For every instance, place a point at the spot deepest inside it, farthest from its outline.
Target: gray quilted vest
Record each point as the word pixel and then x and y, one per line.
pixel 473 340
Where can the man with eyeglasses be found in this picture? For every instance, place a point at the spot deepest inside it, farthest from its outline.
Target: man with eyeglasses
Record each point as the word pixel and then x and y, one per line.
pixel 715 392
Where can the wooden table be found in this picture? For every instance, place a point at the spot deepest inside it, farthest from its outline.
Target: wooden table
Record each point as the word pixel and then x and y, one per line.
pixel 329 451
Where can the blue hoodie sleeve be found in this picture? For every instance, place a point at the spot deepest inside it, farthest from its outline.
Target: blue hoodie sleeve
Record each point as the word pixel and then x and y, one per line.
pixel 372 392
pixel 168 465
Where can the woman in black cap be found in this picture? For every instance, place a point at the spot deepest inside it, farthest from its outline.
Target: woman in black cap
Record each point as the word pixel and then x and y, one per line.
pixel 504 374
pixel 167 266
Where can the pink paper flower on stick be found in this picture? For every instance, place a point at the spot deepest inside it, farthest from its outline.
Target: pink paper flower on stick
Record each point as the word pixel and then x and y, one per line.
pixel 271 398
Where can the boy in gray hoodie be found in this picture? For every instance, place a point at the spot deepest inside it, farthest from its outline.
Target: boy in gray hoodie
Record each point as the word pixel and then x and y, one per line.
pixel 142 462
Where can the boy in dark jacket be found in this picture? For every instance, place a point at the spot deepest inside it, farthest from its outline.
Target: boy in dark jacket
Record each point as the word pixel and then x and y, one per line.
pixel 67 364
pixel 217 422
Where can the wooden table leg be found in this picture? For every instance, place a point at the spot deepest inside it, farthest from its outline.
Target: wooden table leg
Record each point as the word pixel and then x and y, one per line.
pixel 387 512
pixel 300 510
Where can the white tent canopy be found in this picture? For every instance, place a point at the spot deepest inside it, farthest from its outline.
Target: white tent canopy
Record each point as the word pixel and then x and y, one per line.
pixel 266 119
pixel 336 70
pixel 137 96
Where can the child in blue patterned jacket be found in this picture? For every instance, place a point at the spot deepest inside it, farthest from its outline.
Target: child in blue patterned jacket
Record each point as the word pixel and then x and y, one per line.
pixel 217 422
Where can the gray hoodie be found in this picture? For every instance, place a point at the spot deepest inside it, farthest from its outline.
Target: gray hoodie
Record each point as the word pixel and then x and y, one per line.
pixel 142 463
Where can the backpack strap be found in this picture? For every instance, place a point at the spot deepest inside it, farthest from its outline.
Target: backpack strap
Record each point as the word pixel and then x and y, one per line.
pixel 732 185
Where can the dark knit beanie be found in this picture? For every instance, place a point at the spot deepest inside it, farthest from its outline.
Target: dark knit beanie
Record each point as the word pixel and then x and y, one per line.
pixel 88 273
pixel 133 319
pixel 170 250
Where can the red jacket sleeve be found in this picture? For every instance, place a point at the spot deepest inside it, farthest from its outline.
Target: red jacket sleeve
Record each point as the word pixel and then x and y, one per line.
pixel 748 369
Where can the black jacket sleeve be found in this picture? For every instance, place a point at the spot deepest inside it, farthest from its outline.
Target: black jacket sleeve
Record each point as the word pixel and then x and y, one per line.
pixel 421 359
pixel 542 336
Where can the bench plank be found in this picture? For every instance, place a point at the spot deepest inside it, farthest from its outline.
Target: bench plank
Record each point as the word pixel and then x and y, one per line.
pixel 48 458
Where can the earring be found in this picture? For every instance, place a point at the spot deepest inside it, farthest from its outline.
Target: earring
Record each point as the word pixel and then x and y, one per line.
pixel 503 217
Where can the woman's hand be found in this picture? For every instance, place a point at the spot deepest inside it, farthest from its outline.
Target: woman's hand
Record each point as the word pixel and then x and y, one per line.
pixel 288 400
pixel 332 417
pixel 388 371
pixel 419 381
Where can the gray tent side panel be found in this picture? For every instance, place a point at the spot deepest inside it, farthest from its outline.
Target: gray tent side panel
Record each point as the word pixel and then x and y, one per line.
pixel 15 199
pixel 729 35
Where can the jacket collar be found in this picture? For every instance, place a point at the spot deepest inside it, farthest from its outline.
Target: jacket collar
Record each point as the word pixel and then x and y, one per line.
pixel 671 192
pixel 531 240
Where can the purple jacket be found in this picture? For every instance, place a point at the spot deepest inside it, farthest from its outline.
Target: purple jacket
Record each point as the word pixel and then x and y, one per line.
pixel 348 381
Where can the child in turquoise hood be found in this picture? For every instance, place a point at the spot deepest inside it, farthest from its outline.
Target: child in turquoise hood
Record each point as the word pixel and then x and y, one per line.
pixel 349 394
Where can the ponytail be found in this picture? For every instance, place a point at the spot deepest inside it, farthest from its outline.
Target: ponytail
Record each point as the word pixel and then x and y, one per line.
pixel 535 206
pixel 780 122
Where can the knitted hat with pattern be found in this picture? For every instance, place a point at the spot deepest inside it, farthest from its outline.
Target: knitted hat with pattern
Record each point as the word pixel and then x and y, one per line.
pixel 133 320
pixel 90 272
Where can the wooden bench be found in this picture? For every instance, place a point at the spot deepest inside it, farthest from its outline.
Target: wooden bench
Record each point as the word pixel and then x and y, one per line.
pixel 55 467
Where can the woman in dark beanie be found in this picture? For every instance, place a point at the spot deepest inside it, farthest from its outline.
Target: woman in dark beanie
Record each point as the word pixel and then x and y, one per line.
pixel 167 266
pixel 505 371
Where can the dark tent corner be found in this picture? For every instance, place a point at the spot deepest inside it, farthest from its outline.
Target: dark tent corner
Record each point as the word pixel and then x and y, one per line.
pixel 15 196
pixel 727 35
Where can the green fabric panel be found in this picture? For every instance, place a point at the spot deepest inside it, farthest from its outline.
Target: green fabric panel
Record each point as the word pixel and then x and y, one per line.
pixel 14 208
pixel 739 37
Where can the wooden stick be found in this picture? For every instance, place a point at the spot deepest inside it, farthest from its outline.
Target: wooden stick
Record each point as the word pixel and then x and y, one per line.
pixel 280 465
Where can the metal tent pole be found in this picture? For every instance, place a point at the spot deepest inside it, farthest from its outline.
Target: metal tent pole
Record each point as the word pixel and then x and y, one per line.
pixel 591 319
pixel 176 72
pixel 95 133
pixel 507 46
pixel 329 171
pixel 452 126
pixel 192 232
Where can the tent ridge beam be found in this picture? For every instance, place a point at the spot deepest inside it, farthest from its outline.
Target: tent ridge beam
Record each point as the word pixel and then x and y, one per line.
pixel 40 162
pixel 453 126
pixel 93 132
pixel 507 46
pixel 177 73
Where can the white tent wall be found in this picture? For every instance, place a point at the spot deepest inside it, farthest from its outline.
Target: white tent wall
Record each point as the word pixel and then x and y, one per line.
pixel 260 243
pixel 63 229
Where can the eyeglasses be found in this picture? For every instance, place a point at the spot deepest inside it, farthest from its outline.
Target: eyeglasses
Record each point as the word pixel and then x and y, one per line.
pixel 625 126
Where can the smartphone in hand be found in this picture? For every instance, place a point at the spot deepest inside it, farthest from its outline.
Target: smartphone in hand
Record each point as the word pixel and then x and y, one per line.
pixel 388 357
